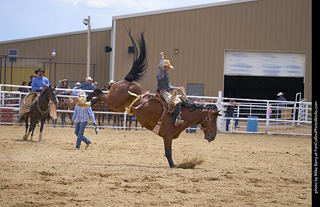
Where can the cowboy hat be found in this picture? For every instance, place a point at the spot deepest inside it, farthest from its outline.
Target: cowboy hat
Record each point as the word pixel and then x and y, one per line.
pixel 78 84
pixel 82 94
pixel 280 94
pixel 111 82
pixel 38 70
pixel 33 75
pixel 89 78
pixel 166 63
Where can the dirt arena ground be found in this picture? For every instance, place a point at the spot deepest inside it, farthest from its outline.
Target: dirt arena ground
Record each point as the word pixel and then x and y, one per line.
pixel 128 168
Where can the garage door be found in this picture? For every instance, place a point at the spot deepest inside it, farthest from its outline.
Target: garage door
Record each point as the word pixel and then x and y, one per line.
pixel 261 75
pixel 279 64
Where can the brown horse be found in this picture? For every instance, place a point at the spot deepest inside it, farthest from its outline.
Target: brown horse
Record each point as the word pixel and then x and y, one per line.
pixel 149 109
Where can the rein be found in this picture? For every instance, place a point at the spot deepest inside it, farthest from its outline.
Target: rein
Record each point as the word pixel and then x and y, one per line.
pixel 38 105
pixel 39 109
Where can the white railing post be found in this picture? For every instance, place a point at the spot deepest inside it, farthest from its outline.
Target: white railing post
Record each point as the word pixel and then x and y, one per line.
pixel 268 116
pixel 220 107
pixel 125 119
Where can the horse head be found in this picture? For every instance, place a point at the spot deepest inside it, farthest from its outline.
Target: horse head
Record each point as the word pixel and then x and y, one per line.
pixel 209 125
pixel 50 94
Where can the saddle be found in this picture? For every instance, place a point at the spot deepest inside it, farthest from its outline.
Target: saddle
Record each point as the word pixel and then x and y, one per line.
pixel 157 97
pixel 171 99
pixel 30 100
pixel 167 100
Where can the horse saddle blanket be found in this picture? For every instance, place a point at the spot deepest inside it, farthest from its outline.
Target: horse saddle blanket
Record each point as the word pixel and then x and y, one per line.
pixel 28 101
pixel 82 102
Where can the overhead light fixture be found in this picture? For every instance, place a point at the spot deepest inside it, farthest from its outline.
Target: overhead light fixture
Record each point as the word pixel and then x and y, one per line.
pixel 176 51
pixel 53 54
pixel 85 21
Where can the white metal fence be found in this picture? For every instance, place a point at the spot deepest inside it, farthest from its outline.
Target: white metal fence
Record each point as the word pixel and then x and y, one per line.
pixel 250 115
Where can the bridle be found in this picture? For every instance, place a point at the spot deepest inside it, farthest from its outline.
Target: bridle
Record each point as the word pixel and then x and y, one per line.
pixel 208 119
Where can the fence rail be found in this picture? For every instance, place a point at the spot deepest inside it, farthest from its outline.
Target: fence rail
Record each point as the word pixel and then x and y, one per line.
pixel 250 115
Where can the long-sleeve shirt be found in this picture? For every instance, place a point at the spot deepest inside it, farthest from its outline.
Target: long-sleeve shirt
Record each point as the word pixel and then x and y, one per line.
pixel 230 110
pixel 37 83
pixel 281 99
pixel 82 114
pixel 87 86
pixel 163 78
pixel 75 93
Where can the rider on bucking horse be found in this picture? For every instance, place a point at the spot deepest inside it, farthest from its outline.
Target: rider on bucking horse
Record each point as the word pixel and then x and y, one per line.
pixel 164 87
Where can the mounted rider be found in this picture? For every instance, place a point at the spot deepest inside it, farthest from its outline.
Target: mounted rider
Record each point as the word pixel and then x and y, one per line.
pixel 164 86
pixel 40 83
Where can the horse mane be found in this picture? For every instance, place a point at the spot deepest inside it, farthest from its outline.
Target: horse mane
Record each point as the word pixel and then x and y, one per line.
pixel 140 63
pixel 43 92
pixel 194 106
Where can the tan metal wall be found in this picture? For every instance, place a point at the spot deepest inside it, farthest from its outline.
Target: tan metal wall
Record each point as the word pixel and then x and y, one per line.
pixel 70 48
pixel 202 35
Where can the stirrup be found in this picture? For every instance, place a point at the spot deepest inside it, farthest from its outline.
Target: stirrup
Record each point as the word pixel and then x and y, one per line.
pixel 178 122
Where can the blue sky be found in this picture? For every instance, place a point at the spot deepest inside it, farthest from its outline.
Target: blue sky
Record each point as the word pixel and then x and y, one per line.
pixel 32 18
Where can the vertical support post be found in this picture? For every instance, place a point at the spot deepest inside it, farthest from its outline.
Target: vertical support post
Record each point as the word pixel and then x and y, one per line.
pixel 0 70
pixel 5 72
pixel 11 74
pixel 219 105
pixel 93 73
pixel 1 99
pixel 55 72
pixel 88 48
pixel 50 71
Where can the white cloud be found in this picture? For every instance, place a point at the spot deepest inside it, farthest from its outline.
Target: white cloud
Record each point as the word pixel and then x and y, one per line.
pixel 137 5
pixel 98 4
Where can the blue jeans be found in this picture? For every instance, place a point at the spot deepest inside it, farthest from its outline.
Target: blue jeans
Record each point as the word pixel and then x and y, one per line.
pixel 80 127
pixel 236 121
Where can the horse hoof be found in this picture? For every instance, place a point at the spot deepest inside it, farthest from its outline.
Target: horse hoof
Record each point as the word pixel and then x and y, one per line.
pixel 173 166
pixel 25 137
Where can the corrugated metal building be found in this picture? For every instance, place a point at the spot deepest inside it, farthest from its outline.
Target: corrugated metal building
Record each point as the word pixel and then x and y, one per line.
pixel 70 59
pixel 203 35
pixel 245 48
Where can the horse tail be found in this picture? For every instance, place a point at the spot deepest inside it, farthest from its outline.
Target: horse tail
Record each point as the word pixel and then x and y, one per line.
pixel 140 63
